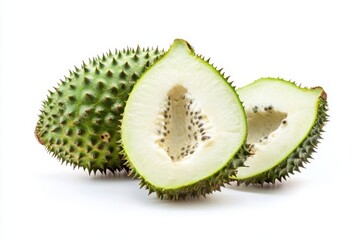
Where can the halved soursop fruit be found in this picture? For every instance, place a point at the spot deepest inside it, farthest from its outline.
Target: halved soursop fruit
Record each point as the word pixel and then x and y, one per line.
pixel 78 122
pixel 285 123
pixel 182 125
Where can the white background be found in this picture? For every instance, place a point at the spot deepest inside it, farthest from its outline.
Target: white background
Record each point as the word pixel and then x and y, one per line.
pixel 310 42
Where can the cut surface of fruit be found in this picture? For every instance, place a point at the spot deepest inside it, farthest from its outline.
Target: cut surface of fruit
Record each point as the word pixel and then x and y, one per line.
pixel 182 125
pixel 284 126
pixel 79 120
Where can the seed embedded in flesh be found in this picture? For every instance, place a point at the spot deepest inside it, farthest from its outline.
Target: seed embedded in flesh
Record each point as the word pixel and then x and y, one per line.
pixel 195 125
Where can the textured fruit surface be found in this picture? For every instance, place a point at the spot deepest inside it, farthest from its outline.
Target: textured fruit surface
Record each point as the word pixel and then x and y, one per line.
pixel 285 123
pixel 79 120
pixel 182 126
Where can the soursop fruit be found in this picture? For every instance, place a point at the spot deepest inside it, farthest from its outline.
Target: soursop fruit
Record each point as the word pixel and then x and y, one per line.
pixel 182 126
pixel 285 123
pixel 78 123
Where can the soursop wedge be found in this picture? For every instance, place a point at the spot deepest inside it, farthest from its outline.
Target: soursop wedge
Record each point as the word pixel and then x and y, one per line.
pixel 285 123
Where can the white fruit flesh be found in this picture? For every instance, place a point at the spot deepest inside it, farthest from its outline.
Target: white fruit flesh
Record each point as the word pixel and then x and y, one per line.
pixel 279 115
pixel 182 122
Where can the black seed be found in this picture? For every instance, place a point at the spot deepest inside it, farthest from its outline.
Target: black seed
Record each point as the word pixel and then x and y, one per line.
pixel 191 113
pixel 168 131
pixel 196 113
pixel 172 157
pixel 187 113
pixel 189 127
pixel 197 122
pixel 265 108
pixel 203 133
pixel 191 152
pixel 203 138
pixel 200 117
pixel 164 134
pixel 183 97
pixel 162 140
pixel 260 140
pixel 165 115
pixel 195 137
pixel 188 146
pixel 191 101
pixel 201 130
pixel 182 154
pixel 183 148
pixel 284 122
pixel 165 127
pixel 266 137
pixel 200 125
pixel 270 108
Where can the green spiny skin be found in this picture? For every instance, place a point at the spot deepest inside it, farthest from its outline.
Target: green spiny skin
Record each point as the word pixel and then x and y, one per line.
pixel 203 186
pixel 301 154
pixel 79 120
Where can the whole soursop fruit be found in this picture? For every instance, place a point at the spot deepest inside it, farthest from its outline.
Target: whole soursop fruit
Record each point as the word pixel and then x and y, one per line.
pixel 78 123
